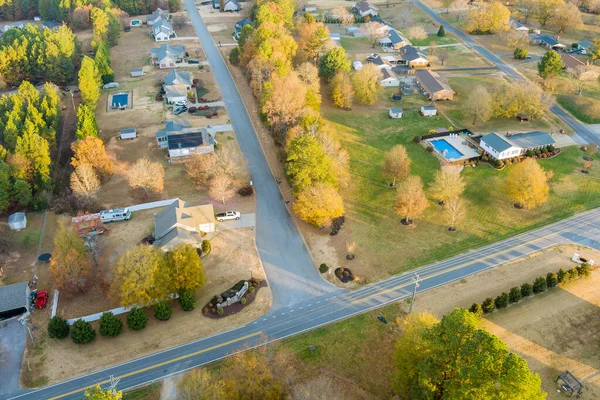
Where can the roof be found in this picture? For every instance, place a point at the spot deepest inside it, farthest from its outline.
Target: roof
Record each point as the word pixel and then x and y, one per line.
pixel 176 90
pixel 167 50
pixel 173 126
pixel 410 53
pixel 428 108
pixel 16 217
pixel 570 61
pixel 531 139
pixel 517 25
pixel 162 26
pixel 586 44
pixel 188 140
pixel 127 130
pixel 242 23
pixel 432 81
pixel 364 6
pixel 13 296
pixel 396 110
pixel 157 13
pixel 549 40
pixel 137 70
pixel 181 213
pixel 396 37
pixel 176 236
pixel 174 77
pixel 496 142
pixel 387 74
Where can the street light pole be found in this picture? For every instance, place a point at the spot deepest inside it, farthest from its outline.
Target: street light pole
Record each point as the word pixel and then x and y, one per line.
pixel 414 293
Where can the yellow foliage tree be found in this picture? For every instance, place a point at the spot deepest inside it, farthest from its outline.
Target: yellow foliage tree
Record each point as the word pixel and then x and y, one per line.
pixel 342 92
pixel 91 151
pixel 184 271
pixel 396 164
pixel 96 393
pixel 71 266
pixel 527 184
pixel 366 84
pixel 411 201
pixel 137 276
pixel 447 185
pixel 319 204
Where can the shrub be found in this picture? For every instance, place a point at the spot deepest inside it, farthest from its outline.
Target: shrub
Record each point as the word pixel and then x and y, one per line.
pixel 205 247
pixel 551 148
pixel 551 279
pixel 82 332
pixel 562 277
pixel 58 328
pixel 239 285
pixel 502 300
pixel 246 191
pixel 514 296
pixel 220 311
pixel 544 151
pixel 162 311
pixel 234 56
pixel 187 300
pixel 251 289
pixel 417 139
pixel 485 158
pixel 488 305
pixel 476 309
pixel 526 290
pixel 538 152
pixel 110 326
pixel 137 319
pixel 584 270
pixel 539 285
pixel 520 53
pixel 323 268
pixel 498 164
pixel 573 274
pixel 243 300
pixel 530 153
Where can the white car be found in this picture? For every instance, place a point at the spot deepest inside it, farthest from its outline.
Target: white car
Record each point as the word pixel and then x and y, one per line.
pixel 181 103
pixel 224 216
pixel 111 85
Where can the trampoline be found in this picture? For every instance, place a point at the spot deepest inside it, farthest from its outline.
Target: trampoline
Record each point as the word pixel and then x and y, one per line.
pixel 44 257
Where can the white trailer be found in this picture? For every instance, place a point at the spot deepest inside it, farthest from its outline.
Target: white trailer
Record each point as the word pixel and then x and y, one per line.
pixel 118 214
pixel 128 133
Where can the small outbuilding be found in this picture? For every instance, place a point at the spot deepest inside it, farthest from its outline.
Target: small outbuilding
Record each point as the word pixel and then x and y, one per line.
pixel 357 65
pixel 388 78
pixel 395 112
pixel 137 72
pixel 128 133
pixel 428 111
pixel 17 221
pixel 14 300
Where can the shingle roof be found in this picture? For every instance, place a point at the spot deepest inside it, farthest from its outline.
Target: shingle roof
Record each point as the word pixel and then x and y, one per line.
pixel 586 44
pixel 166 50
pixel 531 139
pixel 549 40
pixel 570 61
pixel 174 77
pixel 16 217
pixel 396 110
pixel 410 53
pixel 396 37
pixel 162 26
pixel 428 108
pixel 496 142
pixel 13 296
pixel 387 74
pixel 157 13
pixel 127 130
pixel 175 90
pixel 173 126
pixel 432 82
pixel 180 213
pixel 365 6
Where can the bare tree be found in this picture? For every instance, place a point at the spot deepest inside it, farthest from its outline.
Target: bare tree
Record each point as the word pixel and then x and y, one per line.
pixel 84 181
pixel 447 4
pixel 396 164
pixel 221 188
pixel 343 15
pixel 433 45
pixel 479 105
pixel 455 211
pixel 443 55
pixel 374 31
pixel 146 176
pixel 579 76
pixel 179 21
pixel 203 167
pixel 416 32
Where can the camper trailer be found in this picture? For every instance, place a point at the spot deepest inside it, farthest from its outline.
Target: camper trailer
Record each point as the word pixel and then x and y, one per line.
pixel 119 214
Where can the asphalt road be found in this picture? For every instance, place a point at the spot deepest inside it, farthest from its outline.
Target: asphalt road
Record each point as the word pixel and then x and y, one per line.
pixel 583 229
pixel 12 344
pixel 586 134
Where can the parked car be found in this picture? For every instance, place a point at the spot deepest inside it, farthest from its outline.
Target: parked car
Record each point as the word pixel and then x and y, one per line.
pixel 227 215
pixel 193 61
pixel 181 103
pixel 75 91
pixel 180 110
pixel 372 57
pixel 64 88
pixel 528 57
pixel 41 299
pixel 111 85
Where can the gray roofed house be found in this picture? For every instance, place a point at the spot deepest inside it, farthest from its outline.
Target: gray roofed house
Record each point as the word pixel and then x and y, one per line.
pixel 363 9
pixel 532 140
pixel 175 77
pixel 585 45
pixel 239 26
pixel 548 41
pixel 506 146
pixel 172 127
pixel 497 142
pixel 516 25
pixel 570 61
pixel 410 56
pixel 181 223
pixel 14 300
pixel 156 16
pixel 167 56
pixel 162 30
pixel 434 86
pixel 188 142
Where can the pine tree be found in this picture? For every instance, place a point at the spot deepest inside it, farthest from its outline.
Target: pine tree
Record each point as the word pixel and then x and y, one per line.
pixel 550 65
pixel 441 31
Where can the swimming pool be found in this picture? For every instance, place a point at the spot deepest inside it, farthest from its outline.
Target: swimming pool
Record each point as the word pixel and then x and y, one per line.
pixel 120 100
pixel 446 149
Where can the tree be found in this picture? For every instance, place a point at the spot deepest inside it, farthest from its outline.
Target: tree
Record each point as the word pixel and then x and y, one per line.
pixel 82 332
pixel 306 163
pixel 110 325
pixel 551 280
pixel 447 185
pixel 102 60
pixel 319 204
pixel 416 32
pixel 446 4
pixel 545 9
pixel 539 285
pixel 146 175
pixel 89 82
pixel 514 296
pixel 58 328
pixel 34 148
pixel 200 384
pixel 342 91
pixel 183 269
pixel 162 310
pixel 338 156
pixel 455 211
pixel 526 290
pixel 476 309
pixel 311 39
pixel 501 301
pixel 441 31
pixel 96 393
pixel 284 102
pixel 333 61
pixel 344 16
pixel 137 319
pixel 202 168
pixel 579 77
pixel 443 56
pixel 410 200
pixel 488 305
pixel 488 19
pixel 595 51
pixel 373 30
pixel 84 181
pixel 479 104
pixel 520 53
pixel 136 277
pixel 366 84
pixel 550 65
pixel 456 358
pixel 396 164
pixel 567 16
pixel 221 188
pixel 86 122
pixel 4 186
pixel 527 185
pixel 187 299
pixel 71 266
pixel 91 151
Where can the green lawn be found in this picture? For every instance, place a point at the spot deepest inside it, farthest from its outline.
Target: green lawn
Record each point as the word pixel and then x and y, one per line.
pixel 448 39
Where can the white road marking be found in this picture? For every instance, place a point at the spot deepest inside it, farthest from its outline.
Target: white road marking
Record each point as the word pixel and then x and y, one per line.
pixel 309 305
pixel 291 311
pixel 318 302
pixel 273 316
pixel 300 308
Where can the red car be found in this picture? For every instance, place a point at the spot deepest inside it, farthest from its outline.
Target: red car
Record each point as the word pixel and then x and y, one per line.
pixel 41 299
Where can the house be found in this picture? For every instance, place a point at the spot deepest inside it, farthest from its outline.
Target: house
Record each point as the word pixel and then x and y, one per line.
pixel 506 146
pixel 308 8
pixel 239 26
pixel 585 45
pixel 172 127
pixel 434 86
pixel 335 39
pixel 395 112
pixel 162 31
pixel 137 72
pixel 394 41
pixel 571 62
pixel 177 86
pixel 517 26
pixel 128 133
pixel 389 78
pixel 548 41
pixel 189 142
pixel 411 57
pixel 381 62
pixel 17 221
pixel 167 56
pixel 181 223
pixel 156 16
pixel 357 65
pixel 230 5
pixel 176 93
pixel 428 111
pixel 364 9
pixel 14 300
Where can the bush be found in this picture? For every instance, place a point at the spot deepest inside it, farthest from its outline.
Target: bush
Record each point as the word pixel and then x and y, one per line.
pixel 239 285
pixel 187 300
pixel 526 290
pixel 243 300
pixel 485 158
pixel 82 332
pixel 476 309
pixel 539 285
pixel 246 191
pixel 58 328
pixel 252 289
pixel 551 279
pixel 573 274
pixel 514 296
pixel 137 319
pixel 563 277
pixel 530 153
pixel 323 268
pixel 417 139
pixel 108 78
pixel 544 151
pixel 488 305
pixel 234 56
pixel 538 152
pixel 551 148
pixel 498 164
pixel 520 53
pixel 502 300
pixel 220 311
pixel 162 311
pixel 205 247
pixel 584 270
pixel 110 326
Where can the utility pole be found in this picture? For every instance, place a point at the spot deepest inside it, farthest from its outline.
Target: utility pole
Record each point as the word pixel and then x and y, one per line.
pixel 414 293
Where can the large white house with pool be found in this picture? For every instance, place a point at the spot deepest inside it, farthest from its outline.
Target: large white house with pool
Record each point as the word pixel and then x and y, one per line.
pixel 501 146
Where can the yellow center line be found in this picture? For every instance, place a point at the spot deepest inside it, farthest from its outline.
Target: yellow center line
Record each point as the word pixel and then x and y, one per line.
pixel 450 269
pixel 159 364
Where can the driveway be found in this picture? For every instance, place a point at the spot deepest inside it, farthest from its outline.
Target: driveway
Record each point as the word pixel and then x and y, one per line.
pixel 12 345
pixel 245 221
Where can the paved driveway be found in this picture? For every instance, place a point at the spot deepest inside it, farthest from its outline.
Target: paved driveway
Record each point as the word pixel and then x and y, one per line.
pixel 245 221
pixel 12 345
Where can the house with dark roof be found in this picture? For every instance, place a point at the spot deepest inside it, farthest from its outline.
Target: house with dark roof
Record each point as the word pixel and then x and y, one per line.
pixel 409 56
pixel 388 78
pixel 585 45
pixel 434 86
pixel 157 15
pixel 181 223
pixel 365 9
pixel 394 41
pixel 570 61
pixel 500 146
pixel 239 26
pixel 14 300
pixel 167 56
pixel 548 41
pixel 171 128
pixel 517 26
pixel 189 142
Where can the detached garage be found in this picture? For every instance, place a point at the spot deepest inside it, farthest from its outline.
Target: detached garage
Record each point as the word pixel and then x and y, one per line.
pixel 14 300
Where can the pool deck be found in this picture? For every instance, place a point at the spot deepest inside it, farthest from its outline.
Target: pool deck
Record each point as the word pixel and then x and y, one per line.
pixel 109 101
pixel 459 143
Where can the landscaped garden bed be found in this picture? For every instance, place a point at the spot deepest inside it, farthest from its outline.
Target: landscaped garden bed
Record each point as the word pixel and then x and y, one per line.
pixel 210 310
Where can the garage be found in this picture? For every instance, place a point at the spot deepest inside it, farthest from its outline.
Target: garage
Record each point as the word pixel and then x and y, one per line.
pixel 14 300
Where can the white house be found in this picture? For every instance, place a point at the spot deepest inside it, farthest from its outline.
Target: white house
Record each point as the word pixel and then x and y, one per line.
pixel 162 31
pixel 357 65
pixel 428 111
pixel 395 112
pixel 389 78
pixel 156 16
pixel 501 147
pixel 381 62
pixel 411 57
pixel 517 26
pixel 189 142
pixel 181 223
pixel 177 85
pixel 310 8
pixel 17 221
pixel 230 5
pixel 167 56
pixel 364 9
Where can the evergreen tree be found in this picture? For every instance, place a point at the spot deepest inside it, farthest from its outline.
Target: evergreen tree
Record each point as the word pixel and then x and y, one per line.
pixel 35 149
pixel 4 186
pixel 102 60
pixel 550 65
pixel 89 82
pixel 441 31
pixel 332 61
pixel 21 193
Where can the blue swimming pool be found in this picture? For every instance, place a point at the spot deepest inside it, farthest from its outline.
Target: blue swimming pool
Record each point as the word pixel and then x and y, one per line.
pixel 120 100
pixel 447 150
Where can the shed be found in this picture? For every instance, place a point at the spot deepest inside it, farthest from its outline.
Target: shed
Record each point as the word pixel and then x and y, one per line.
pixel 569 383
pixel 17 221
pixel 357 65
pixel 396 112
pixel 428 111
pixel 137 72
pixel 128 133
pixel 389 78
pixel 14 300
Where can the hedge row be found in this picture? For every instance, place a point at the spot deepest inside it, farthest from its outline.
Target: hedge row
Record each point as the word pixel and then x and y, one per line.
pixel 540 285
